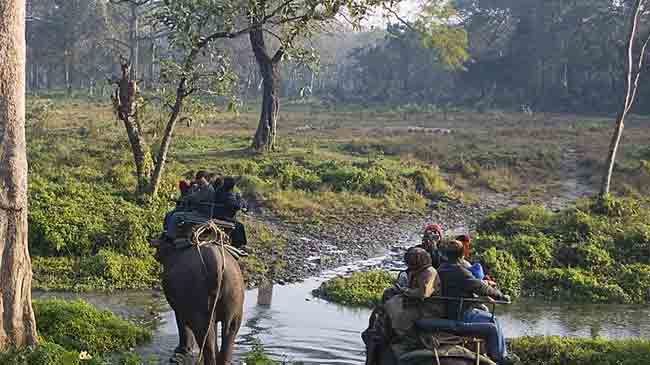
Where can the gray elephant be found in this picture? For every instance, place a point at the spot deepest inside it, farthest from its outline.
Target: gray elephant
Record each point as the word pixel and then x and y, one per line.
pixel 193 279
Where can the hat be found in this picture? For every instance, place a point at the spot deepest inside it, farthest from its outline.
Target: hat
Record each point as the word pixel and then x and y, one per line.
pixel 433 228
pixel 417 258
pixel 452 248
pixel 465 239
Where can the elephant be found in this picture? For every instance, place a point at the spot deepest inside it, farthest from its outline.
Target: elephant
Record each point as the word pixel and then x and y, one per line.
pixel 193 279
pixel 383 336
pixel 387 357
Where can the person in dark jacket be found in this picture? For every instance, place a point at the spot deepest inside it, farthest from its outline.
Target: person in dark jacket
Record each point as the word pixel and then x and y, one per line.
pixel 458 282
pixel 227 204
pixel 197 204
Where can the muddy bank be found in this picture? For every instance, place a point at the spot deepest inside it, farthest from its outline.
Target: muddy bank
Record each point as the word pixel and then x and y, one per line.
pixel 312 249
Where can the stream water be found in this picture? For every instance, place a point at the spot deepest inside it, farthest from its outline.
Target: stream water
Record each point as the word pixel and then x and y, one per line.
pixel 298 327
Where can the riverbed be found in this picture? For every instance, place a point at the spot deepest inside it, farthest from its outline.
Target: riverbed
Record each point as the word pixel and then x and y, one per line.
pixel 299 327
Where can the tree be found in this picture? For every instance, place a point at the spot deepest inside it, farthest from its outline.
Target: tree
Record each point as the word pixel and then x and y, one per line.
pixel 17 323
pixel 633 69
pixel 193 26
pixel 294 19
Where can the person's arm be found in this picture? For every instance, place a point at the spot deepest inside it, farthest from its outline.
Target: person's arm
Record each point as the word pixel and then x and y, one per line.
pixel 480 288
pixel 233 202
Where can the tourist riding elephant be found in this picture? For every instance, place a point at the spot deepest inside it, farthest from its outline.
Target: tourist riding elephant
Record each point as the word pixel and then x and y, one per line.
pixel 193 279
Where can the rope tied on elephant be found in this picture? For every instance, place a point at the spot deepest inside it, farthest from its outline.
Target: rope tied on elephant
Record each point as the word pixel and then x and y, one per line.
pixel 209 233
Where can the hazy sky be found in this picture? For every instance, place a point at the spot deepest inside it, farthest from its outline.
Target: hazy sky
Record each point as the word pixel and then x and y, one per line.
pixel 407 9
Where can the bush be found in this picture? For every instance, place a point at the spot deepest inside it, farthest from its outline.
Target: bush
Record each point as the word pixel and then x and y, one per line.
pixel 504 269
pixel 429 182
pixel 573 285
pixel 75 218
pixel 635 281
pixel 119 271
pixel 558 252
pixel 359 289
pixel 76 325
pixel 525 219
pixel 46 353
pixel 575 351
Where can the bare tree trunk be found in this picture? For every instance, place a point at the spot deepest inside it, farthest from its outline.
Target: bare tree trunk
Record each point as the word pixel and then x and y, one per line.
pixel 632 75
pixel 68 83
pixel 124 103
pixel 264 140
pixel 17 323
pixel 181 93
pixel 134 41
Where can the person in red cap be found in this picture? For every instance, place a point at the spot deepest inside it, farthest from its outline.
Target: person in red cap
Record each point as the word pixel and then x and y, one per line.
pixel 431 236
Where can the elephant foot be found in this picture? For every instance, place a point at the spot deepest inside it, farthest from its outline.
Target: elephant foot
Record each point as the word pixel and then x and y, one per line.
pixel 178 358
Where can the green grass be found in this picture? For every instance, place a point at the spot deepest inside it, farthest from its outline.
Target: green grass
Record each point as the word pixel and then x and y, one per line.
pixel 359 289
pixel 355 166
pixel 574 351
pixel 76 333
pixel 593 252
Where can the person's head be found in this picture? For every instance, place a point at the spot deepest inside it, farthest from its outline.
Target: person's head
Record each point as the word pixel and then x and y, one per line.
pixel 465 240
pixel 201 176
pixel 183 186
pixel 417 258
pixel 229 183
pixel 217 182
pixel 431 236
pixel 452 249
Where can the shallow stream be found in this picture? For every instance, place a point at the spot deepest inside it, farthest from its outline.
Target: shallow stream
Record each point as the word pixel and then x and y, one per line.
pixel 299 327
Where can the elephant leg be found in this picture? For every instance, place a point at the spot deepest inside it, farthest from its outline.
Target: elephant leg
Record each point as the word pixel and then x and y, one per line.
pixel 185 338
pixel 229 330
pixel 205 337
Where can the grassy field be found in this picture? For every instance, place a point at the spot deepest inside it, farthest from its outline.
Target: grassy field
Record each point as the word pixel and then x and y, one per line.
pixel 87 230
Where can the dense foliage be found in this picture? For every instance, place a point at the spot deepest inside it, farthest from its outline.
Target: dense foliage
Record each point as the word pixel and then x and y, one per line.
pixel 358 289
pixel 76 333
pixel 76 325
pixel 595 252
pixel 575 351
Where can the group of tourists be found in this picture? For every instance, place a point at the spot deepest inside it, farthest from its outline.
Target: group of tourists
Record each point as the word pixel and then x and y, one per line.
pixel 440 267
pixel 208 196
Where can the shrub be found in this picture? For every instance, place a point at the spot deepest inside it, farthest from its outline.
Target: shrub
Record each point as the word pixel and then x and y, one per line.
pixel 429 183
pixel 573 284
pixel 635 280
pixel 576 351
pixel 120 271
pixel 504 269
pixel 266 248
pixel 525 219
pixel 76 325
pixel 533 252
pixel 46 353
pixel 77 218
pixel 359 289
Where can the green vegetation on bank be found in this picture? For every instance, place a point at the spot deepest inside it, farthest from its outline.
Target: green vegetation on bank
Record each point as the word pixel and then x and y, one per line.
pixel 595 251
pixel 359 289
pixel 592 252
pixel 88 230
pixel 576 351
pixel 76 333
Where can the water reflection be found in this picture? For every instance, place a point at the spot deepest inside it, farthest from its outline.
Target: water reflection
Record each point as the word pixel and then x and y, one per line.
pixel 298 327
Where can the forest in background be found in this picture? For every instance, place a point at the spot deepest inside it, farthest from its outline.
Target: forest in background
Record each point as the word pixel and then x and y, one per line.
pixel 531 55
